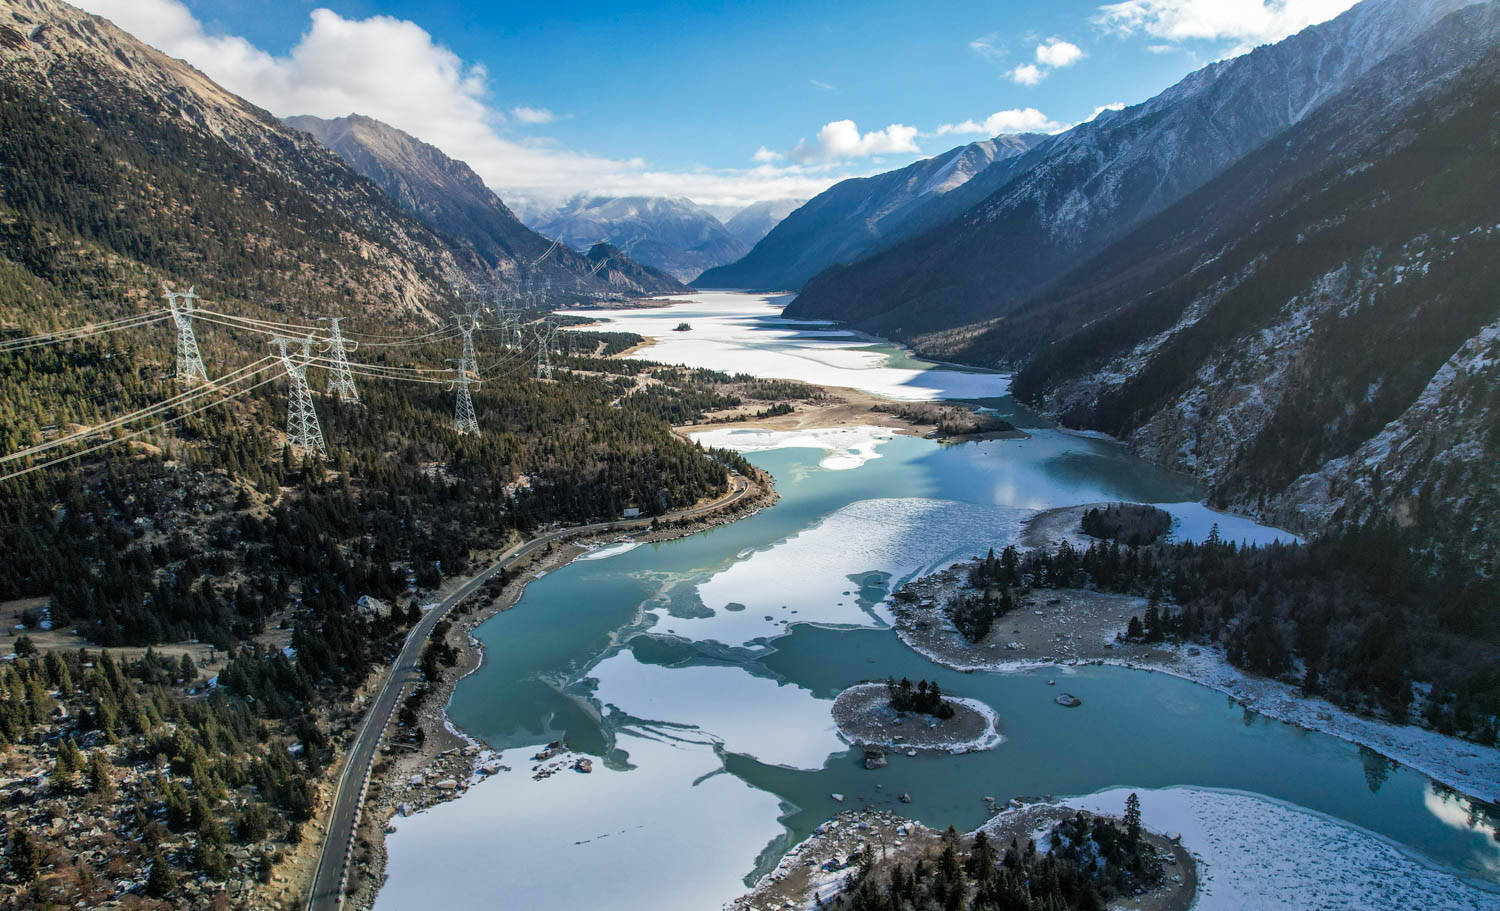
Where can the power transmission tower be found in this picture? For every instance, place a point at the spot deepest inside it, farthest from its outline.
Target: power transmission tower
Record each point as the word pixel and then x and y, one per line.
pixel 468 359
pixel 189 360
pixel 302 428
pixel 544 336
pixel 464 420
pixel 342 381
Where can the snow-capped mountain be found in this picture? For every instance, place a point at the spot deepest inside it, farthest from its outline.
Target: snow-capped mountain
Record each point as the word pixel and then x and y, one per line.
pixel 447 195
pixel 675 235
pixel 1074 193
pixel 855 217
pixel 756 220
pixel 1313 334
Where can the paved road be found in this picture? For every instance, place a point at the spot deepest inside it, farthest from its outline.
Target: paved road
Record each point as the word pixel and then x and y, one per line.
pixel 328 883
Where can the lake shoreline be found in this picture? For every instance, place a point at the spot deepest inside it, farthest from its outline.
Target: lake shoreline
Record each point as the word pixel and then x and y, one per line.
pixel 1066 628
pixel 449 761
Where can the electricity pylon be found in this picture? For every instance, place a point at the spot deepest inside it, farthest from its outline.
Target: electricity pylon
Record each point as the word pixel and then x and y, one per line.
pixel 302 428
pixel 468 361
pixel 342 381
pixel 544 334
pixel 189 360
pixel 464 420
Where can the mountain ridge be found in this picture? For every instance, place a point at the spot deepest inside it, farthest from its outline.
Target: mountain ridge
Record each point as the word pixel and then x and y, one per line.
pixel 854 217
pixel 1076 192
pixel 448 196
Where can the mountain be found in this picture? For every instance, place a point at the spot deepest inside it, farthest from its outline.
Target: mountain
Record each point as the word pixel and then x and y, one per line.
pixel 1314 333
pixel 756 220
pixel 855 217
pixel 123 166
pixel 1072 194
pixel 675 235
pixel 449 197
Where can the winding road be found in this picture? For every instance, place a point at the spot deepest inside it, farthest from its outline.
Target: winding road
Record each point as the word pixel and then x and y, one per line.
pixel 327 891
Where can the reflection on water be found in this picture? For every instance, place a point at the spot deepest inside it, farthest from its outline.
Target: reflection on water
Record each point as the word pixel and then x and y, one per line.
pixel 705 687
pixel 1134 728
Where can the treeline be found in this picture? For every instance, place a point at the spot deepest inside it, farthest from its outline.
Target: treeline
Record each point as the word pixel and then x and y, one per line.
pixel 1356 617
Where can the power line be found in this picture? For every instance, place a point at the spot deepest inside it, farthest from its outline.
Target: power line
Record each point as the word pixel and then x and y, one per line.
pixel 136 433
pixel 86 331
pixel 149 411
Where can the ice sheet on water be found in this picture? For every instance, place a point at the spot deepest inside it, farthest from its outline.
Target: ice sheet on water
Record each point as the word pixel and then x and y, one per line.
pixel 804 579
pixel 1258 855
pixel 777 723
pixel 744 333
pixel 650 837
pixel 847 447
pixel 611 550
pixel 1194 521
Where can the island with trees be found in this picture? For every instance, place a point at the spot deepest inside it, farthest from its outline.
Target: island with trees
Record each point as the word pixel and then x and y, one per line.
pixel 912 717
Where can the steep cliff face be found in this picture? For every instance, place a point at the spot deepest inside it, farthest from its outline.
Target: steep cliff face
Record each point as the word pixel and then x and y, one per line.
pixel 1312 334
pixel 1073 194
pixel 853 218
pixel 446 195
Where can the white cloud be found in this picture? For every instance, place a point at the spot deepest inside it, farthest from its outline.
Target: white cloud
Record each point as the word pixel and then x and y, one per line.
pixel 765 155
pixel 1055 52
pixel 1249 22
pixel 1112 106
pixel 840 140
pixel 818 83
pixel 1015 120
pixel 1026 74
pixel 988 46
pixel 527 114
pixel 394 71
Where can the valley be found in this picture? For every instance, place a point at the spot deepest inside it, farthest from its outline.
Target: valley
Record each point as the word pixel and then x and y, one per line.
pixel 689 662
pixel 560 458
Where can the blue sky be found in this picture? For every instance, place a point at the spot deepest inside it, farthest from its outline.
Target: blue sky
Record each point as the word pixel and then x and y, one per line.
pixel 725 103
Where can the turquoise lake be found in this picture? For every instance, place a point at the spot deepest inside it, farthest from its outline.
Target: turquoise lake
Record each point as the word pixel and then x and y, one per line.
pixel 698 673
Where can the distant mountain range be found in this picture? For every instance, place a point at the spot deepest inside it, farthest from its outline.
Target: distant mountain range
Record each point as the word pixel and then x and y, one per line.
pixel 1070 195
pixel 854 218
pixel 450 198
pixel 756 220
pixel 672 234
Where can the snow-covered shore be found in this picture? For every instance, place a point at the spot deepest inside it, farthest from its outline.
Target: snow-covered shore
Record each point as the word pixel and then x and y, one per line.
pixel 852 708
pixel 1255 853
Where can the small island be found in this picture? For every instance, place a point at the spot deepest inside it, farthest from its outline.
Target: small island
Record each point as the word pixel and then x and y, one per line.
pixel 683 327
pixel 1045 856
pixel 903 716
pixel 952 422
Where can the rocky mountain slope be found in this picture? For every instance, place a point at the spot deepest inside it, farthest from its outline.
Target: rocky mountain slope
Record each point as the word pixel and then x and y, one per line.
pixel 1314 333
pixel 675 235
pixel 449 197
pixel 853 218
pixel 1072 194
pixel 120 159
